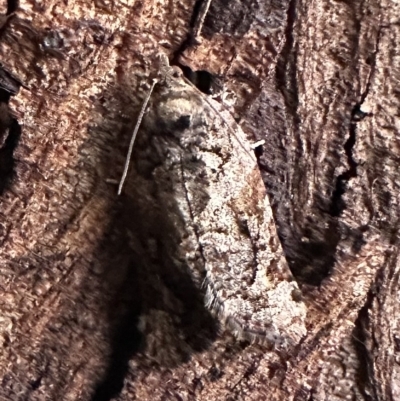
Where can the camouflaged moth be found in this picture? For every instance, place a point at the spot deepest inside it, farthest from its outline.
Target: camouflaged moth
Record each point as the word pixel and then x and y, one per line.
pixel 205 175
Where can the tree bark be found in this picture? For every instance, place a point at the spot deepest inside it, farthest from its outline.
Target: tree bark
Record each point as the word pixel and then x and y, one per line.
pixel 82 315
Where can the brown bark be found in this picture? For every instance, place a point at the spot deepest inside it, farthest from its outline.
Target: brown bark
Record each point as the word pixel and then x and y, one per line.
pixel 81 318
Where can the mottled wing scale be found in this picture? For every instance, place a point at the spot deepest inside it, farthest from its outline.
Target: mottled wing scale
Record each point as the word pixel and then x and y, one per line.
pixel 228 239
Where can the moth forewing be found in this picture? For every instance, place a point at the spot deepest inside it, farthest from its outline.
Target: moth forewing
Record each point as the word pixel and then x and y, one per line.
pixel 227 234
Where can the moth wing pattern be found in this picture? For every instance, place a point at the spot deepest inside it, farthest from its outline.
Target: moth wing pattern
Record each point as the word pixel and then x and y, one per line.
pixel 206 174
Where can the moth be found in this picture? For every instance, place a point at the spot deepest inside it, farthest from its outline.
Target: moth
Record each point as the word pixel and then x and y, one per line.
pixel 204 174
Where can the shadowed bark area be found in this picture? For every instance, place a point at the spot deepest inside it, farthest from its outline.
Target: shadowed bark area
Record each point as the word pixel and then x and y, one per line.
pixel 86 311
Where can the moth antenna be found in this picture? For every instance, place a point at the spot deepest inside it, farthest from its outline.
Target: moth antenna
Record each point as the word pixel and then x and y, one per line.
pixel 135 131
pixel 200 20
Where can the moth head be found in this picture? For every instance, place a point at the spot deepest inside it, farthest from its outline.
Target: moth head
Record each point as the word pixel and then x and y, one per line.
pixel 175 113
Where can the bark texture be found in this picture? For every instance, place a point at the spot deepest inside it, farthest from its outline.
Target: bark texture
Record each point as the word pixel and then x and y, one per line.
pixel 81 315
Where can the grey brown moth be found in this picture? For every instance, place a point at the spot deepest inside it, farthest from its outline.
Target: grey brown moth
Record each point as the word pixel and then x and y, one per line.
pixel 205 176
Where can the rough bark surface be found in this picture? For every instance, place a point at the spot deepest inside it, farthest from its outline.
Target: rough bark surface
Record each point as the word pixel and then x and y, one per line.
pixel 82 317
